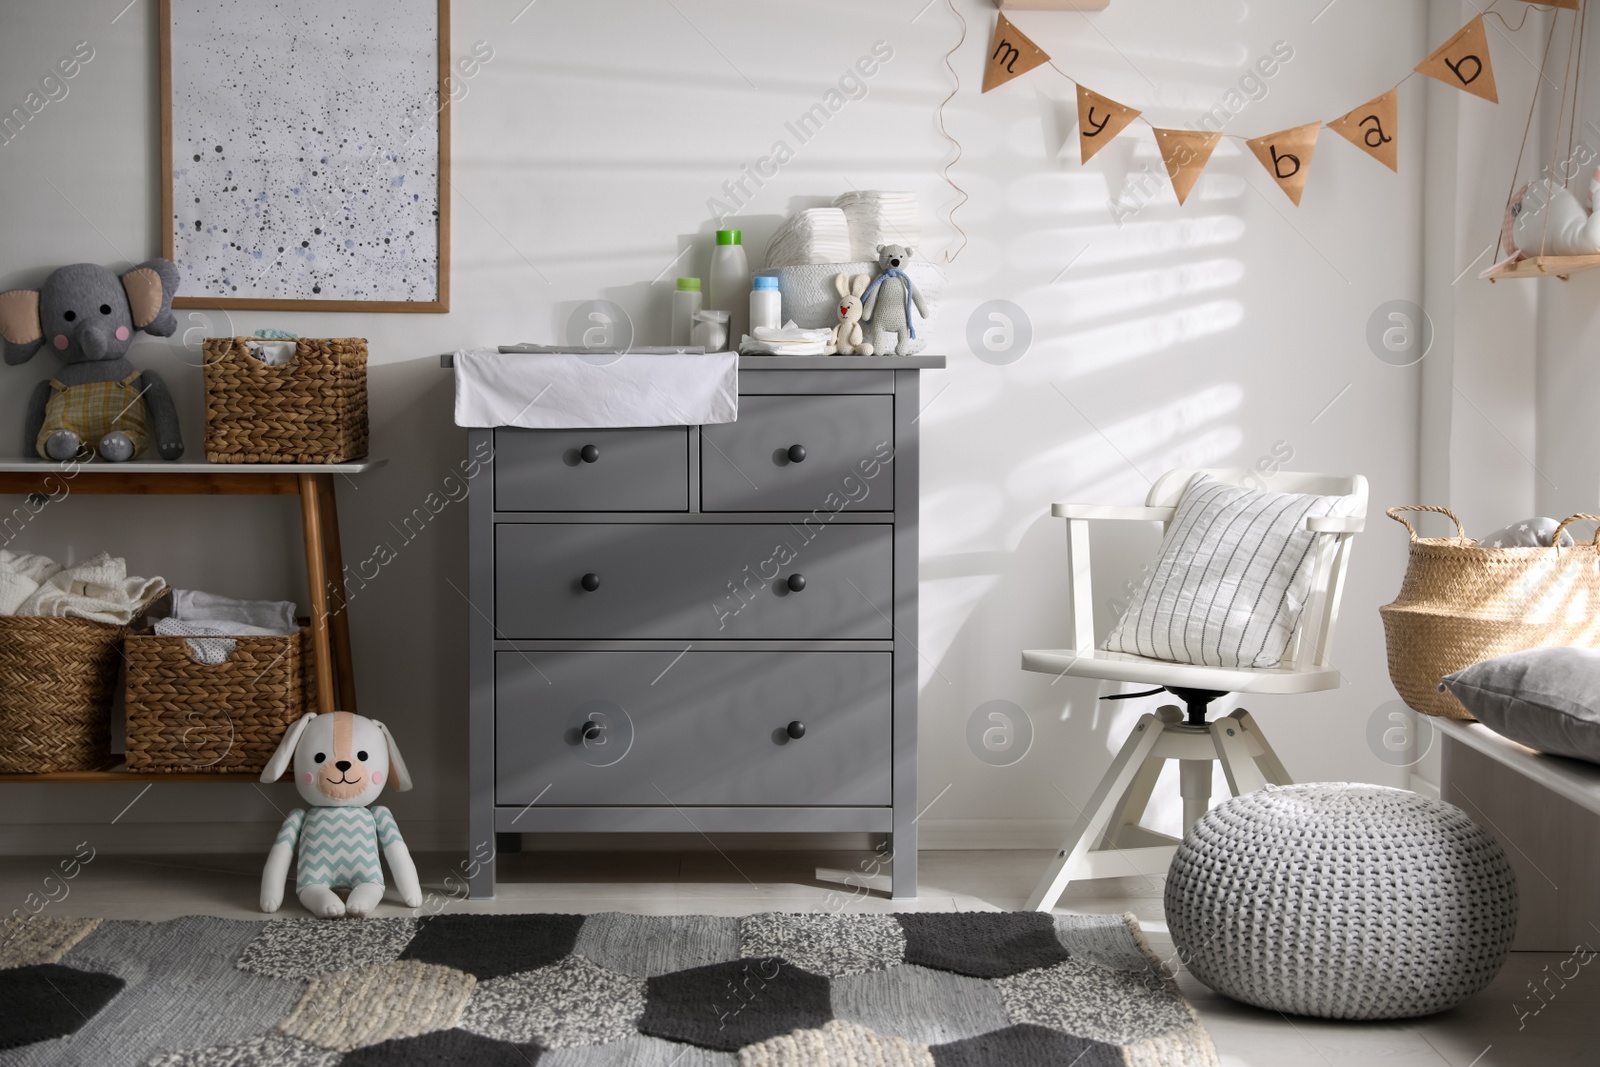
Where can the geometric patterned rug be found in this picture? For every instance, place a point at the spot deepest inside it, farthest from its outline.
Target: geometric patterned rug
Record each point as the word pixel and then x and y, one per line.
pixel 944 989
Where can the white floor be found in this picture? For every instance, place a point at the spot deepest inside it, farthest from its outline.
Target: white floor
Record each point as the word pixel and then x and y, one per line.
pixel 1497 1028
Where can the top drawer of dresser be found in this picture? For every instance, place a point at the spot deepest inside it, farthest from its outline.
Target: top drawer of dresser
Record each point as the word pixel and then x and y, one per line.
pixel 622 470
pixel 846 443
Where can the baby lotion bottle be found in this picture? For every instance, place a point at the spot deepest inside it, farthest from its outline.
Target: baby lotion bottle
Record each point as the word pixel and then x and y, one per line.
pixel 685 303
pixel 730 285
pixel 766 304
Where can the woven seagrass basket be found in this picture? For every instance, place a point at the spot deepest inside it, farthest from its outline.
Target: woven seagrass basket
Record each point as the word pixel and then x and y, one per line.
pixel 310 410
pixel 184 715
pixel 1462 603
pixel 57 681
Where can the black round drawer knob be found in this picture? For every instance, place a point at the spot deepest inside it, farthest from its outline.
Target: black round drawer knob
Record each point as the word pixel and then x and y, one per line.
pixel 797 453
pixel 796 582
pixel 592 730
pixel 590 582
pixel 796 729
pixel 588 453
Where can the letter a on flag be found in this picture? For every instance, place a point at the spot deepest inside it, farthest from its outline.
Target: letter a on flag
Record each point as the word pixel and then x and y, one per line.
pixel 1463 61
pixel 1373 127
pixel 1010 54
pixel 1287 156
pixel 1100 118
pixel 1185 153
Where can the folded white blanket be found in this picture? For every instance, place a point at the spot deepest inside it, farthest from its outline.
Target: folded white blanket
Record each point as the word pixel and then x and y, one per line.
pixel 227 615
pixel 98 589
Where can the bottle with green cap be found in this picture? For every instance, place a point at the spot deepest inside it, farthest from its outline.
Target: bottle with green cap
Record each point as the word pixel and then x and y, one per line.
pixel 730 285
pixel 685 303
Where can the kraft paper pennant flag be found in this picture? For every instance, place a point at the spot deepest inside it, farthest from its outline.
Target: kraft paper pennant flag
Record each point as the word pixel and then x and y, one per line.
pixel 1010 54
pixel 1185 153
pixel 1100 119
pixel 1463 61
pixel 1287 156
pixel 1570 5
pixel 1373 127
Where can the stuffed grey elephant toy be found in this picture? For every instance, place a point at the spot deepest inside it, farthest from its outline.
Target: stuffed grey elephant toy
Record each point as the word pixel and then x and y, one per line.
pixel 887 303
pixel 97 402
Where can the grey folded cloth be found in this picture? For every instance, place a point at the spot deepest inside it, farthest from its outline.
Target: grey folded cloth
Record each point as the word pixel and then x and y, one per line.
pixel 226 615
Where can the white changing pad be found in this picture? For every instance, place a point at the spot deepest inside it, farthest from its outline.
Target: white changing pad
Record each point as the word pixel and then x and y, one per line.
pixel 570 390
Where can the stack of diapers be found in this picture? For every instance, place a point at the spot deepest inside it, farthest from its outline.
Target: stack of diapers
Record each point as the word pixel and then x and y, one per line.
pixel 878 218
pixel 816 235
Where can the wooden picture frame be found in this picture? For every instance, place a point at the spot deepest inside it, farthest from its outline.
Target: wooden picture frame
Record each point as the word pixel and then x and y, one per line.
pixel 381 265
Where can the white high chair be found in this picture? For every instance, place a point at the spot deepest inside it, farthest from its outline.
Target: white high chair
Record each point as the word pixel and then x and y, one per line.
pixel 1107 840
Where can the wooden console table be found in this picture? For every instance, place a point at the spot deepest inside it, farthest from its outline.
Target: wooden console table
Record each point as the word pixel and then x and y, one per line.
pixel 311 482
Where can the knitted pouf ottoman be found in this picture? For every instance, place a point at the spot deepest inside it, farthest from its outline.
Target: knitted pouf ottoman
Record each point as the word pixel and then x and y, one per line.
pixel 1341 901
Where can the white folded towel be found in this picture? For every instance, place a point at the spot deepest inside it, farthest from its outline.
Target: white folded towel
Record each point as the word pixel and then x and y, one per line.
pixel 20 575
pixel 98 589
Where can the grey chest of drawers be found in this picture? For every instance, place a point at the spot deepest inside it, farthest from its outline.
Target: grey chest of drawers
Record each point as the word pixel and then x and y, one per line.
pixel 703 629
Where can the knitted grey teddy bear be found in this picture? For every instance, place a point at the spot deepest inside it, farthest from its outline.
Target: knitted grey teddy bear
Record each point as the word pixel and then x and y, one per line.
pixel 892 313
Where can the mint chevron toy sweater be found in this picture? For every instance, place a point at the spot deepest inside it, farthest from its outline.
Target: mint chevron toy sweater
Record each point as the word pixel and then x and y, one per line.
pixel 339 846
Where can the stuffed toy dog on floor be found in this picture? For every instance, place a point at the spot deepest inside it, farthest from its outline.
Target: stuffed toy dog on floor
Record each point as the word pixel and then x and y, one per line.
pixel 97 403
pixel 342 762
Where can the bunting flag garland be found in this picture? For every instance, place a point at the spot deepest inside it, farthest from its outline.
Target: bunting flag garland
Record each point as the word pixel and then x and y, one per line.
pixel 1373 127
pixel 1570 5
pixel 1100 119
pixel 1010 54
pixel 1185 153
pixel 1463 61
pixel 1287 156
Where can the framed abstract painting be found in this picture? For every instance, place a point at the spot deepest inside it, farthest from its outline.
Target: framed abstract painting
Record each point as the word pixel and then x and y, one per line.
pixel 306 153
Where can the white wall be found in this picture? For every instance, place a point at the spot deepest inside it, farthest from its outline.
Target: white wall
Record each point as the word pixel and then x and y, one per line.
pixel 583 159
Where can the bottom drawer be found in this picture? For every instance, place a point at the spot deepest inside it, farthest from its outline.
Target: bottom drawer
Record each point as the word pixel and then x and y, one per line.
pixel 706 728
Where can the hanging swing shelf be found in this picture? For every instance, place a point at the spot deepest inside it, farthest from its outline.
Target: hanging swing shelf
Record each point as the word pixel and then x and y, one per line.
pixel 1544 213
pixel 1545 267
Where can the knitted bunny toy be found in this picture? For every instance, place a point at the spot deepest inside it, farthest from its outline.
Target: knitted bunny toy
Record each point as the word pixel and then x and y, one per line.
pixel 341 763
pixel 847 335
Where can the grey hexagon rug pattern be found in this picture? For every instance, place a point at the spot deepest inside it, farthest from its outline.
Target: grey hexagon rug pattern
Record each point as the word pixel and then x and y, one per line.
pixel 1011 989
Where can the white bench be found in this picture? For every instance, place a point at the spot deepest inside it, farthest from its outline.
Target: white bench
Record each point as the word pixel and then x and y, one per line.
pixel 1545 812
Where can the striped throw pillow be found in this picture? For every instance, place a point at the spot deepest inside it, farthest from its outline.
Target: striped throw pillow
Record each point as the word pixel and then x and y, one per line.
pixel 1232 578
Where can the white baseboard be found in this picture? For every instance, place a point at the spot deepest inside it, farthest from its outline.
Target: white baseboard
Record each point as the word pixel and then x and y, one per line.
pixel 175 838
pixel 969 835
pixel 169 838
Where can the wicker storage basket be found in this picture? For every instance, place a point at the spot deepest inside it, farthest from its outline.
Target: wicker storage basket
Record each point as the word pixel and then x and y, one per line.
pixel 184 715
pixel 57 681
pixel 310 410
pixel 1462 603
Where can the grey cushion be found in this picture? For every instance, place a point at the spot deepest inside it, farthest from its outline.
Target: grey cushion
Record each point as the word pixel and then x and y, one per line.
pixel 1545 698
